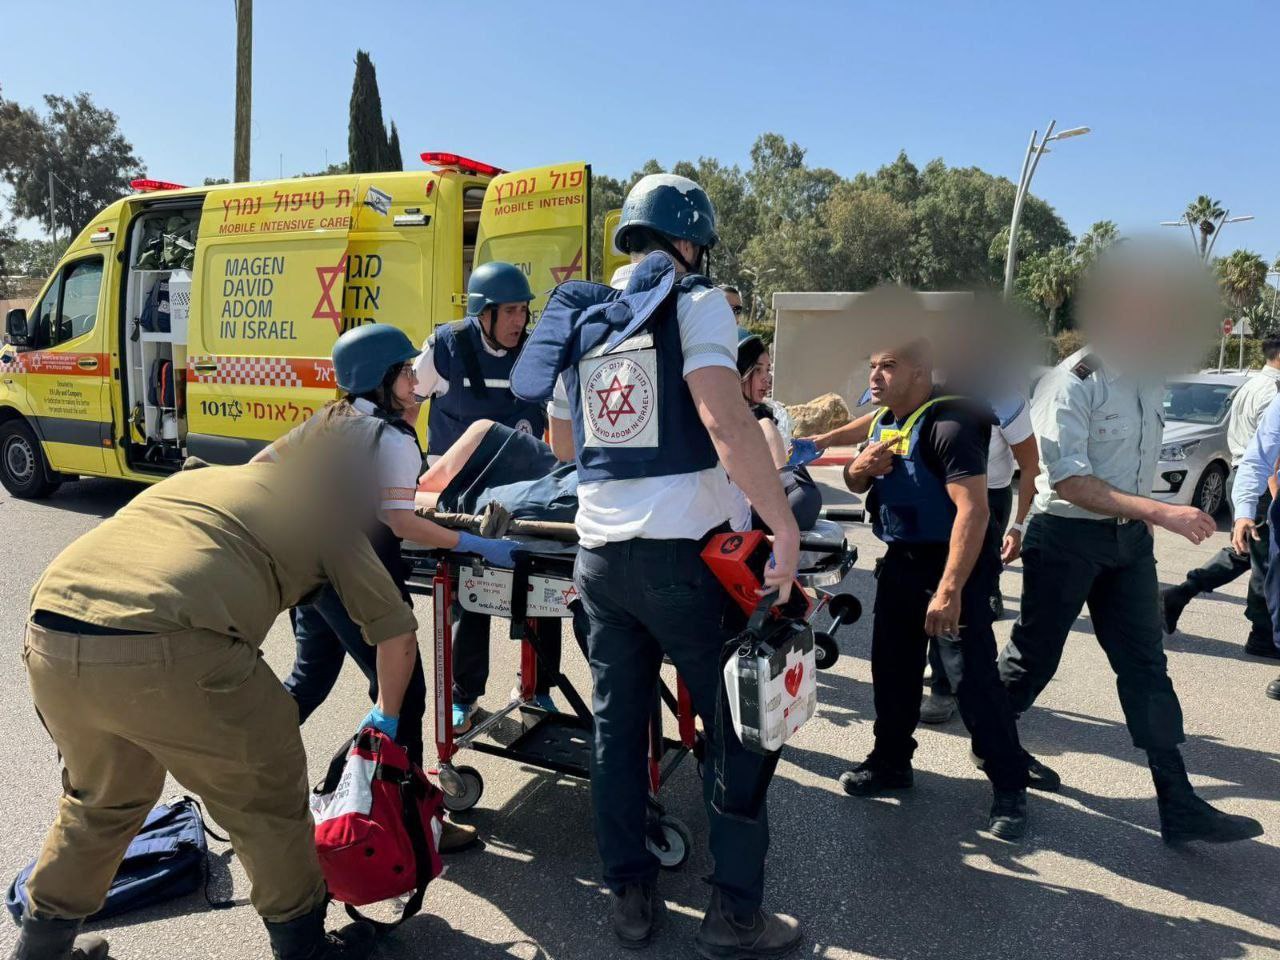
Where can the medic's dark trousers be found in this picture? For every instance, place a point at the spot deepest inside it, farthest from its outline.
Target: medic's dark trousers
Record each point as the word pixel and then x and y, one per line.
pixel 1272 579
pixel 1226 565
pixel 1066 563
pixel 646 598
pixel 205 707
pixel 906 578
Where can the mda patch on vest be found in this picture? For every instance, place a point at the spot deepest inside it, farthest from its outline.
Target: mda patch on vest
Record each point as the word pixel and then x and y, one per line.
pixel 620 395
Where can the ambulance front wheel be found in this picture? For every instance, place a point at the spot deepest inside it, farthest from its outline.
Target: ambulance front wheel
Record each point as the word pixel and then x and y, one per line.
pixel 670 843
pixel 825 651
pixel 24 471
pixel 465 787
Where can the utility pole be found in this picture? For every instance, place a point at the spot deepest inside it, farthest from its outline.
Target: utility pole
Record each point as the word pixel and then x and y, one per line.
pixel 244 87
pixel 53 230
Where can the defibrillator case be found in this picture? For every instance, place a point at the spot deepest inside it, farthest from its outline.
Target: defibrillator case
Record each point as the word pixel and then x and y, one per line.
pixel 770 679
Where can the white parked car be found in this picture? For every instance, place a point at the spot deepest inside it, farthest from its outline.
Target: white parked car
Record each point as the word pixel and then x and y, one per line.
pixel 1195 459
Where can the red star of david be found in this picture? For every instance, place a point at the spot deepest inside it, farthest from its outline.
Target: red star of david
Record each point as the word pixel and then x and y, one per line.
pixel 569 595
pixel 561 274
pixel 325 307
pixel 623 405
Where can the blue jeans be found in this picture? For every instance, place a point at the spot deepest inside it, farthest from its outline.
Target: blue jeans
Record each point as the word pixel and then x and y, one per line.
pixel 325 635
pixel 646 598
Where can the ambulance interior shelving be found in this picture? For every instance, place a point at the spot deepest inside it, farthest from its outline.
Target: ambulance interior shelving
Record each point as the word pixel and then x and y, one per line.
pixel 155 427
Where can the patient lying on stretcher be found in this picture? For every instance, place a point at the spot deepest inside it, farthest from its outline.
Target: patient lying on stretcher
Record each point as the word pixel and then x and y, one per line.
pixel 492 463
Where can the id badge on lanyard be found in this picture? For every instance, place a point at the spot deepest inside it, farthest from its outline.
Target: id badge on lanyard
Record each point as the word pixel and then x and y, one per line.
pixel 899 441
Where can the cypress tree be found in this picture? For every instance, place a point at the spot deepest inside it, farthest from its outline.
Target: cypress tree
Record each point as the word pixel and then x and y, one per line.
pixel 394 159
pixel 366 136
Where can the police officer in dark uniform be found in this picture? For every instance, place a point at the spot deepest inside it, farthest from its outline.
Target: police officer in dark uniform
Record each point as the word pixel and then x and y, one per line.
pixel 925 472
pixel 465 369
pixel 650 379
pixel 1099 420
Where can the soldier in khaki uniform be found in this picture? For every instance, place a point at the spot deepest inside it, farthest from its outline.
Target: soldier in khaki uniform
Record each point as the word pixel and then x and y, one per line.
pixel 143 657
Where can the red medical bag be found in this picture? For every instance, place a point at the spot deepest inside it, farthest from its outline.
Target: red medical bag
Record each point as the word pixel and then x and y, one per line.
pixel 378 822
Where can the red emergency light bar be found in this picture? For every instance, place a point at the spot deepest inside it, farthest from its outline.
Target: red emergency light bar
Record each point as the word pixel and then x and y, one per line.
pixel 437 158
pixel 144 185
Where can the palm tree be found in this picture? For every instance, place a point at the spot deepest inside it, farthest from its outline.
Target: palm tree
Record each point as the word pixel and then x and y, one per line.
pixel 1096 239
pixel 1241 277
pixel 1203 214
pixel 1050 278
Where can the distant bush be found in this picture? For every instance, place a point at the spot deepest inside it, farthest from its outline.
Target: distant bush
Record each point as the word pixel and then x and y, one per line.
pixel 1065 344
pixel 1253 358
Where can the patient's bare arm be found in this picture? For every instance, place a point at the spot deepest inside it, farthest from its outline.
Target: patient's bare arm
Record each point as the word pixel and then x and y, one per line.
pixel 451 462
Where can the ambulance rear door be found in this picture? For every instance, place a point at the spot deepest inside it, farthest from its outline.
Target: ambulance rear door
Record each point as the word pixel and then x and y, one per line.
pixel 267 303
pixel 538 219
pixel 613 258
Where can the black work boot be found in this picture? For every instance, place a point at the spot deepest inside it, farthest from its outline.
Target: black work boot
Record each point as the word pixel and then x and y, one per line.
pixel 1040 776
pixel 1172 602
pixel 55 939
pixel 1273 689
pixel 724 936
pixel 871 778
pixel 1008 815
pixel 304 938
pixel 1183 815
pixel 1261 645
pixel 637 913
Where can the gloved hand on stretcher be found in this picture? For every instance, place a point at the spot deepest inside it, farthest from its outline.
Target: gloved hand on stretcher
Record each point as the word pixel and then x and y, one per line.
pixel 380 721
pixel 499 553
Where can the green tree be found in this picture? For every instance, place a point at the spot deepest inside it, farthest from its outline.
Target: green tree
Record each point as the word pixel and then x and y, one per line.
pixel 1095 240
pixel 33 258
pixel 367 143
pixel 6 246
pixel 1050 278
pixel 607 193
pixel 1241 278
pixel 1203 213
pixel 77 142
pixel 395 160
pixel 871 234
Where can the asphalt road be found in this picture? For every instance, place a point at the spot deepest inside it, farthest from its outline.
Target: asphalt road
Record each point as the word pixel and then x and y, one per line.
pixel 906 878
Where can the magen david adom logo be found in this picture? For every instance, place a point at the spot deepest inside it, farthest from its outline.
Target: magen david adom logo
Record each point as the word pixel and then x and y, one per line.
pixel 621 400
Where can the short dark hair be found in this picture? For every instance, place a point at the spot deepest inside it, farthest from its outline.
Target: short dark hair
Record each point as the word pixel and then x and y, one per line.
pixel 1271 347
pixel 730 288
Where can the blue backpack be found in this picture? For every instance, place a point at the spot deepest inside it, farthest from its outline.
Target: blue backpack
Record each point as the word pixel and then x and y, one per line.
pixel 167 859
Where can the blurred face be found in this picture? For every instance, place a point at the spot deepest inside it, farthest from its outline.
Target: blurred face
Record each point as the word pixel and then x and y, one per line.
pixel 896 379
pixel 758 381
pixel 509 321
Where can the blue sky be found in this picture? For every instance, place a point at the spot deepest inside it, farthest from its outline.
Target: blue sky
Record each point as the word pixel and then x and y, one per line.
pixel 1182 96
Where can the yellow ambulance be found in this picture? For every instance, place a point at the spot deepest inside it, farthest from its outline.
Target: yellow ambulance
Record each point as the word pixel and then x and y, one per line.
pixel 200 321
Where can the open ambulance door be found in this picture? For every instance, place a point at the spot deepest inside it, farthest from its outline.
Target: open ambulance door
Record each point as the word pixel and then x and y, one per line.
pixel 539 219
pixel 612 257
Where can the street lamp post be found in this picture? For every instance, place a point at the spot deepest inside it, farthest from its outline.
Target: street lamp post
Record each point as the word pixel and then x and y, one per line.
pixel 1029 163
pixel 1222 220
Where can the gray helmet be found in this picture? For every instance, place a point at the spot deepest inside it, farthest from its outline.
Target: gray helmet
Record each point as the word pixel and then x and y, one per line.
pixel 670 205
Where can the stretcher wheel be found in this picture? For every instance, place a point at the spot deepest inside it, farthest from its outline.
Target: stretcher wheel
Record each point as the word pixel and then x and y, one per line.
pixel 464 788
pixel 825 651
pixel 844 608
pixel 672 850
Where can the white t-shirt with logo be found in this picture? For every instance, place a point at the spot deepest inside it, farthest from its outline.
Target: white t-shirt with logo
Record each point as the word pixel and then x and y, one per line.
pixel 1000 462
pixel 680 507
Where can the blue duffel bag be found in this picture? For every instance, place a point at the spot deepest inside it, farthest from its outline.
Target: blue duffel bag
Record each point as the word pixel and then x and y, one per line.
pixel 166 860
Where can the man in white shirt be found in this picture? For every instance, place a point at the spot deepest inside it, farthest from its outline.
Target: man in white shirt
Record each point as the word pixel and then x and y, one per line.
pixel 1247 408
pixel 653 401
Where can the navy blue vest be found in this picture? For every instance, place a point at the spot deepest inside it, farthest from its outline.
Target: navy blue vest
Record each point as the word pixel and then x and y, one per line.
pixel 912 502
pixel 623 364
pixel 460 358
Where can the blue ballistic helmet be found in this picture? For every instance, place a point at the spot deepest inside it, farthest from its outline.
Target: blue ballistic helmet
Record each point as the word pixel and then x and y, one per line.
pixel 670 205
pixel 362 357
pixel 495 283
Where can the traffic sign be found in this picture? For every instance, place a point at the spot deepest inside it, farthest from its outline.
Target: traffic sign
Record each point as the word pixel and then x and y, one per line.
pixel 1227 326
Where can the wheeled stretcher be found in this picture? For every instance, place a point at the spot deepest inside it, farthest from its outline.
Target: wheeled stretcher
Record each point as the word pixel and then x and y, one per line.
pixel 542 587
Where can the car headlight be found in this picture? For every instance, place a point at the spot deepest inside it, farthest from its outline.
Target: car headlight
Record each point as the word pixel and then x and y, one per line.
pixel 1178 451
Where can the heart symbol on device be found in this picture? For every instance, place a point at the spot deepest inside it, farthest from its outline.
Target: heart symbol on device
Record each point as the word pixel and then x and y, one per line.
pixel 792 678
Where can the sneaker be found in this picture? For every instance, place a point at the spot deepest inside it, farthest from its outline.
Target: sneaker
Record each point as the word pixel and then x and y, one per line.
pixel 928 673
pixel 937 707
pixel 1008 815
pixel 869 779
pixel 463 714
pixel 637 912
pixel 723 936
pixel 544 703
pixel 1261 646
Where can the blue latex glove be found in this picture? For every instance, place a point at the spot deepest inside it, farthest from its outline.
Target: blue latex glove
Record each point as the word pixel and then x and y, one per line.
pixel 380 721
pixel 803 451
pixel 499 553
